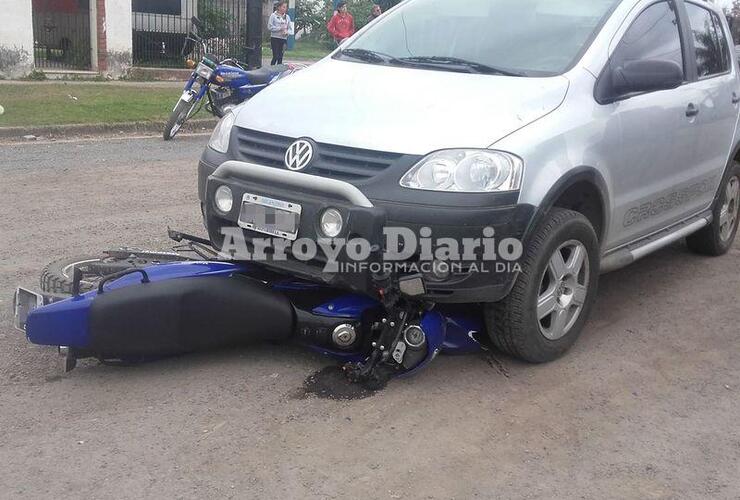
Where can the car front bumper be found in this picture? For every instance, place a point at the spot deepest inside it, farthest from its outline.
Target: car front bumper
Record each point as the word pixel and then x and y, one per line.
pixel 470 282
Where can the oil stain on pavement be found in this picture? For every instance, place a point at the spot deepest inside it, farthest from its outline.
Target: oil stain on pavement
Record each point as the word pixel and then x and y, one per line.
pixel 332 383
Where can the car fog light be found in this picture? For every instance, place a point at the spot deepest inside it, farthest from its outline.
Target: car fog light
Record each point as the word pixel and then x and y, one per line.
pixel 331 223
pixel 224 199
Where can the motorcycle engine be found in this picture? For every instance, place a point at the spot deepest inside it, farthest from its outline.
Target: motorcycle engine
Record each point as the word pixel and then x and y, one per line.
pixel 223 99
pixel 411 349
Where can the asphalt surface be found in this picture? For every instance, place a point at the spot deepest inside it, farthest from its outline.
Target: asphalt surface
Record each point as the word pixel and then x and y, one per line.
pixel 647 405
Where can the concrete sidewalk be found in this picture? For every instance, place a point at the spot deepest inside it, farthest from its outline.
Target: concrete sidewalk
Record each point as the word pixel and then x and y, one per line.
pixel 32 133
pixel 114 83
pixel 154 77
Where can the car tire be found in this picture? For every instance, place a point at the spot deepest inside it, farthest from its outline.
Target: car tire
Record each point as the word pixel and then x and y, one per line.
pixel 559 272
pixel 717 238
pixel 182 112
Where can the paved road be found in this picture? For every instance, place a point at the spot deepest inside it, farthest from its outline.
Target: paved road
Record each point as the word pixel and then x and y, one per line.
pixel 646 406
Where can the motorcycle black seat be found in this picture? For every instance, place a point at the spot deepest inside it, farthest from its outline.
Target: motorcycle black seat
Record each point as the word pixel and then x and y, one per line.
pixel 265 74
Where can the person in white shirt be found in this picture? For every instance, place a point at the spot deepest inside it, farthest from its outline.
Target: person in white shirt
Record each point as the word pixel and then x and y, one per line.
pixel 279 24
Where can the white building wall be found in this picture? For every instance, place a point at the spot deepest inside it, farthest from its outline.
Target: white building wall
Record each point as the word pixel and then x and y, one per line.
pixel 16 38
pixel 118 35
pixel 118 25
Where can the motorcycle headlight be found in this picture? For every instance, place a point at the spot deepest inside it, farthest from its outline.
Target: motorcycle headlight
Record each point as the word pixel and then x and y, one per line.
pixel 221 134
pixel 466 171
pixel 204 71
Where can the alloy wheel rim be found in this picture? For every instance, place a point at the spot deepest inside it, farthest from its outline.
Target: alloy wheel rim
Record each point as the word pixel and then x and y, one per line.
pixel 175 129
pixel 563 290
pixel 729 213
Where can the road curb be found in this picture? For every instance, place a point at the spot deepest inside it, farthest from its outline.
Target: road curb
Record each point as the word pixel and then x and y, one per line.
pixel 59 131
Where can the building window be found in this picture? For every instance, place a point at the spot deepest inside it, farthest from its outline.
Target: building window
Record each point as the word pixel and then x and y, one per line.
pixel 171 7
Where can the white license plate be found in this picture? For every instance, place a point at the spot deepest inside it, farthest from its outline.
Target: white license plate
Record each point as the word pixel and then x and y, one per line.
pixel 25 302
pixel 269 216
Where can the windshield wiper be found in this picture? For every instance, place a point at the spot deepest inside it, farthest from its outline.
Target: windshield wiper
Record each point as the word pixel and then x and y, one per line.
pixel 370 56
pixel 449 62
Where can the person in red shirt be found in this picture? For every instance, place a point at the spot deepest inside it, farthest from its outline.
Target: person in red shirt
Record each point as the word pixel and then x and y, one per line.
pixel 342 24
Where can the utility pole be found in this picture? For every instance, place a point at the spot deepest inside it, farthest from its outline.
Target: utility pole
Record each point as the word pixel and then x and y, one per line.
pixel 254 33
pixel 292 14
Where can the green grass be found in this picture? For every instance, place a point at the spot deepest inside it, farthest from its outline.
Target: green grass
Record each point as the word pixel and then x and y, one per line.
pixel 50 104
pixel 305 50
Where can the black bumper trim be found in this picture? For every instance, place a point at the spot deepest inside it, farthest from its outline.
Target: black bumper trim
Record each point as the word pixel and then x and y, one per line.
pixel 368 223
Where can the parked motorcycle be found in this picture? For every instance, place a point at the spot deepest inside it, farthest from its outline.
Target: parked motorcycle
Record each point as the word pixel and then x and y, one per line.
pixel 226 84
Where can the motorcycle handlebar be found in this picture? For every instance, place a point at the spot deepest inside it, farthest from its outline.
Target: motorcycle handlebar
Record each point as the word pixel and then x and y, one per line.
pixel 190 41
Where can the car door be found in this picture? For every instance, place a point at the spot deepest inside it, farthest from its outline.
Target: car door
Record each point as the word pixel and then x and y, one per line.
pixel 657 129
pixel 718 99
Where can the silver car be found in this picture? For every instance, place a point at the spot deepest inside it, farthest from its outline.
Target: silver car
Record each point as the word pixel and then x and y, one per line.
pixel 594 133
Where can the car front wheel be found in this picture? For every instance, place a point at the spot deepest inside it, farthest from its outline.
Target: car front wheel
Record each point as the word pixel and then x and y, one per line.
pixel 551 300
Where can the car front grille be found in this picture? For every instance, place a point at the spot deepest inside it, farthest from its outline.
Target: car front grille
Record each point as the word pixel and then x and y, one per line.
pixel 338 162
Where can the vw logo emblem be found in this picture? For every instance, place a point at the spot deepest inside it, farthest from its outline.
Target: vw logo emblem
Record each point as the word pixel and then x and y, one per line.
pixel 299 155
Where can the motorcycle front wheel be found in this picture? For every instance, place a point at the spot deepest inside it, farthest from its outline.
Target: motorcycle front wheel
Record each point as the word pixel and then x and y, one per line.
pixel 182 112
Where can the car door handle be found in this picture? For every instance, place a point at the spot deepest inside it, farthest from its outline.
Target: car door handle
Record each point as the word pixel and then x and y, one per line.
pixel 735 98
pixel 692 110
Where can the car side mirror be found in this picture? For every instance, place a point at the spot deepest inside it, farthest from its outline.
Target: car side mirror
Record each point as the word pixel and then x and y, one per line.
pixel 638 77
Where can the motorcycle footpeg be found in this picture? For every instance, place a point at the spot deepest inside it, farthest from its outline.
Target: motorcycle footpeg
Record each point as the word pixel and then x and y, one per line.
pixel 68 358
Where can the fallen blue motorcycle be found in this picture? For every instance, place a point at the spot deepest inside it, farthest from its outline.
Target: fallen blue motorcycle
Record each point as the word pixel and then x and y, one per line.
pixel 132 305
pixel 223 84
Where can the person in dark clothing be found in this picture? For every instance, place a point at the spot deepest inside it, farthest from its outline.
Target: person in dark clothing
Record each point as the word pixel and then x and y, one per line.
pixel 375 13
pixel 279 25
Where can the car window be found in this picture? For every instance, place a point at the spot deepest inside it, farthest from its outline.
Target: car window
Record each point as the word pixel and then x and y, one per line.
pixel 653 35
pixel 531 37
pixel 712 54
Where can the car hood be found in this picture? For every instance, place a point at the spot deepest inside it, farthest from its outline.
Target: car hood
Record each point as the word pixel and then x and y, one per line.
pixel 399 110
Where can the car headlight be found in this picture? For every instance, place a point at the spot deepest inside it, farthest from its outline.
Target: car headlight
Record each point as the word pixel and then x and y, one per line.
pixel 204 71
pixel 466 171
pixel 221 134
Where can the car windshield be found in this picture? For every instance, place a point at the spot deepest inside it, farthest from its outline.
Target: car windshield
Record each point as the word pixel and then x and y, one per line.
pixel 514 37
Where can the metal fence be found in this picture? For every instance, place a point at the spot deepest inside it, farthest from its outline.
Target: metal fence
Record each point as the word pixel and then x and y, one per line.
pixel 160 28
pixel 61 34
